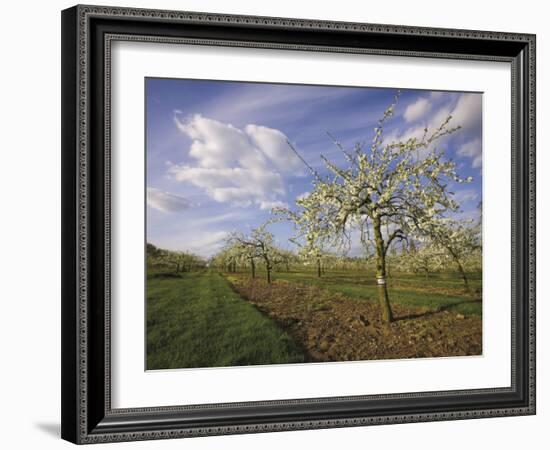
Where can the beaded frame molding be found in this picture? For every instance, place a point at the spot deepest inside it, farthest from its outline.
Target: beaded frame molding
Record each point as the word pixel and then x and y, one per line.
pixel 87 35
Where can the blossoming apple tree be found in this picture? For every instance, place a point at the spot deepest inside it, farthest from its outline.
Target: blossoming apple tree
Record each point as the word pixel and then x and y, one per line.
pixel 401 186
pixel 258 244
pixel 459 239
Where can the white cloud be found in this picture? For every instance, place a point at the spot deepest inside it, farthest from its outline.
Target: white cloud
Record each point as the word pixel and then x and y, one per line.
pixel 239 186
pixel 210 220
pixel 417 110
pixel 467 112
pixel 239 167
pixel 272 204
pixel 277 102
pixel 202 243
pixel 472 149
pixel 431 122
pixel 402 136
pixel 220 145
pixel 166 201
pixel 208 243
pixel 465 195
pixel 274 145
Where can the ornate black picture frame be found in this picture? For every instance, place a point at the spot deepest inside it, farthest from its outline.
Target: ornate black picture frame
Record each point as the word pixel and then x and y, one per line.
pixel 87 34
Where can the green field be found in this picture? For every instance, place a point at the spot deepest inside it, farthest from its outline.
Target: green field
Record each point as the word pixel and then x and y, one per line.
pixel 196 320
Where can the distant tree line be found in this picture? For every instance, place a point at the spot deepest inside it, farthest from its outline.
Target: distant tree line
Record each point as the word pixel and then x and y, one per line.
pixel 162 260
pixel 459 252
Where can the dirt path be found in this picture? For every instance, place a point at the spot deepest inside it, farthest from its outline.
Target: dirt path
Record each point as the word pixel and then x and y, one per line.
pixel 332 327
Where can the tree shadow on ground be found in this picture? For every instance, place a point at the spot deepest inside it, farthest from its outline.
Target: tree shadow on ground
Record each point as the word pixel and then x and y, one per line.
pixel 437 310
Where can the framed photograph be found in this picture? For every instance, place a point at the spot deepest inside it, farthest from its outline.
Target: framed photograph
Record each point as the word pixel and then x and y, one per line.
pixel 279 224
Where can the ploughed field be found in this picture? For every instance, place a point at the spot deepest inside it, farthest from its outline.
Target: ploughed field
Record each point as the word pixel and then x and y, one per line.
pixel 208 319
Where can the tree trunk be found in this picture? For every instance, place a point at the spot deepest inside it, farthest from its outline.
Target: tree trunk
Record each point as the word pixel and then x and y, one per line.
pixel 267 268
pixel 319 267
pixel 463 273
pixel 461 270
pixel 383 298
pixel 253 268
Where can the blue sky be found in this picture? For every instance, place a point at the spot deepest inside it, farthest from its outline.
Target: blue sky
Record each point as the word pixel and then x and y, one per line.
pixel 218 159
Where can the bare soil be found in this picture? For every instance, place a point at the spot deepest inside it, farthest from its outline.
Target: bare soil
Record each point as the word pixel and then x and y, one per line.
pixel 333 327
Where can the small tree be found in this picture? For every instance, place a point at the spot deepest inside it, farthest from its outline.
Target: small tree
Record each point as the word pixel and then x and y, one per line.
pixel 284 259
pixel 401 184
pixel 257 244
pixel 426 259
pixel 460 239
pixel 310 237
pixel 227 258
pixel 248 253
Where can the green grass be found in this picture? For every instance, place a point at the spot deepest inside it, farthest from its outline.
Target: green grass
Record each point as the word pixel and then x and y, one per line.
pixel 439 291
pixel 197 320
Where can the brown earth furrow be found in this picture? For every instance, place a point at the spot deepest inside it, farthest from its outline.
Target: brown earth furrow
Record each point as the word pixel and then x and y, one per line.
pixel 333 327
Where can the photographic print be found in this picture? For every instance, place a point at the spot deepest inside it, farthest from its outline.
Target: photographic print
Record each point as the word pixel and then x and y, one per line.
pixel 291 223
